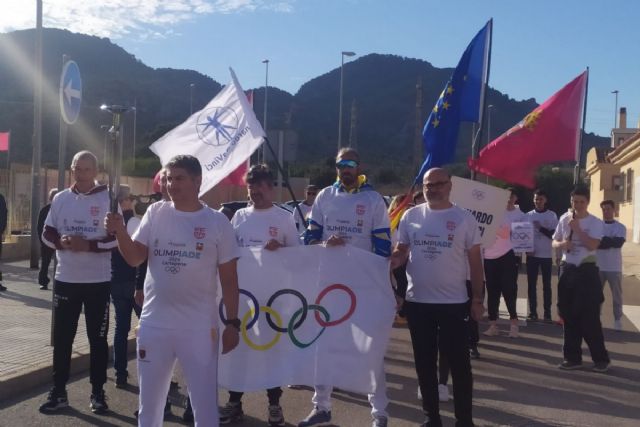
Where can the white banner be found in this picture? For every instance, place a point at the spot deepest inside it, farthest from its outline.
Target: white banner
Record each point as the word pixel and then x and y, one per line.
pixel 325 317
pixel 222 135
pixel 486 202
pixel 522 236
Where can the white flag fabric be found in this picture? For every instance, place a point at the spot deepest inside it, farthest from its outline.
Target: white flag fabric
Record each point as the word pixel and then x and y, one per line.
pixel 222 135
pixel 325 316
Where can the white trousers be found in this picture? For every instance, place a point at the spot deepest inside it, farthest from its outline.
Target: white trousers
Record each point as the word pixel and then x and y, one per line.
pixel 197 352
pixel 378 399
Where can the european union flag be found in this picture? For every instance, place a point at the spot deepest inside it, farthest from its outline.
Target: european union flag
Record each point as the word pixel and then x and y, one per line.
pixel 460 101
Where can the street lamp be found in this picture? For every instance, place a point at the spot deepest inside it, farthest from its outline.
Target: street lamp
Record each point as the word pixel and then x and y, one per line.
pixel 615 112
pixel 266 86
pixel 341 88
pixel 191 86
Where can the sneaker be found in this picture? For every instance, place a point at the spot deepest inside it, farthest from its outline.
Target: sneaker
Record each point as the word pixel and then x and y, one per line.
pixel 379 421
pixel 121 381
pixel 276 418
pixel 188 413
pixel 473 352
pixel 55 400
pixel 443 392
pixel 533 317
pixel 231 413
pixel 600 367
pixel 568 365
pixel 547 318
pixel 2 288
pixel 99 403
pixel 514 331
pixel 419 394
pixel 317 416
pixel 44 287
pixel 617 325
pixel 167 408
pixel 492 331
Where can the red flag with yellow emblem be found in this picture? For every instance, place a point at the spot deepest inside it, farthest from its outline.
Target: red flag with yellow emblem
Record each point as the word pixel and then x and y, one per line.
pixel 550 133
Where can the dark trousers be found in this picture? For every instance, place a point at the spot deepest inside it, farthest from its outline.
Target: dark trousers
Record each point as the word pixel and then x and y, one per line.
pixel 46 254
pixel 544 265
pixel 124 304
pixel 68 301
pixel 579 299
pixel 445 326
pixel 272 393
pixel 502 279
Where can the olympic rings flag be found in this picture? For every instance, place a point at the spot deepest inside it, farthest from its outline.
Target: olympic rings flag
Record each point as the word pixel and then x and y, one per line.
pixel 310 315
pixel 522 236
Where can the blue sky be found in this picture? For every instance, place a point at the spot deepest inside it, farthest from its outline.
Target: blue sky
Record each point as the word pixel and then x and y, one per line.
pixel 537 46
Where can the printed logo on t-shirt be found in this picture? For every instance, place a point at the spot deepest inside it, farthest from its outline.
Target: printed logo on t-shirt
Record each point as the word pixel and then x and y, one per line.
pixel 360 223
pixel 94 210
pixel 451 225
pixel 96 222
pixel 451 236
pixel 273 232
pixel 199 246
pixel 199 232
pixel 360 209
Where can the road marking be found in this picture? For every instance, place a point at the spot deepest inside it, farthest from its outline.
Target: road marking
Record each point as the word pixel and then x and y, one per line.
pixel 632 313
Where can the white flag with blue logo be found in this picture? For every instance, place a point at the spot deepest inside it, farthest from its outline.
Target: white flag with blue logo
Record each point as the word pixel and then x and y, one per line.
pixel 222 135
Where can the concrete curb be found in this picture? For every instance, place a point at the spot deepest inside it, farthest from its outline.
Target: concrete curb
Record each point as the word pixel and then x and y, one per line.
pixel 25 381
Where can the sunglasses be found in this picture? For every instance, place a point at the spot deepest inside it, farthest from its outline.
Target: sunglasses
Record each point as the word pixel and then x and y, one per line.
pixel 437 184
pixel 343 164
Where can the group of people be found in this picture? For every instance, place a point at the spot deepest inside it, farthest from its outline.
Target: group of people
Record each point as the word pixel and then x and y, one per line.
pixel 186 245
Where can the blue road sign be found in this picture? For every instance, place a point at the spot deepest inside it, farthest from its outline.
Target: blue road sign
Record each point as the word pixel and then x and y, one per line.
pixel 70 92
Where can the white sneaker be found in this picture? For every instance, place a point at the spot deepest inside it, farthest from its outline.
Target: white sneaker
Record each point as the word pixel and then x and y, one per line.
pixel 513 331
pixel 492 331
pixel 617 325
pixel 419 394
pixel 443 392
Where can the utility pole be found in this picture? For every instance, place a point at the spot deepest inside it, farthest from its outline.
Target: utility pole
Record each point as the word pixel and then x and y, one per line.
pixel 353 128
pixel 37 141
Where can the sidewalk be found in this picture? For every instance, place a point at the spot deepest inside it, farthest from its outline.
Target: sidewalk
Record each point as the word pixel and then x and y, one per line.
pixel 25 316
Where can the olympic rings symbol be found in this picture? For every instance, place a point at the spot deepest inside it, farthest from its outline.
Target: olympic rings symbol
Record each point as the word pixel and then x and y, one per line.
pixel 173 269
pixel 274 320
pixel 519 236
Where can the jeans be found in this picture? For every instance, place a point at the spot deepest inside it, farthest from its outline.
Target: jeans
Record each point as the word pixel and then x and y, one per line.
pixel 124 305
pixel 533 265
pixel 615 283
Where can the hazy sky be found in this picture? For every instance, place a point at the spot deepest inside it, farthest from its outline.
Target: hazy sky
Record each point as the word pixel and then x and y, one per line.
pixel 538 46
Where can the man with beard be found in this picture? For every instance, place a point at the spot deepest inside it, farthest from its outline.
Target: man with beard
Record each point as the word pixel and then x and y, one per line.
pixel 350 213
pixel 438 238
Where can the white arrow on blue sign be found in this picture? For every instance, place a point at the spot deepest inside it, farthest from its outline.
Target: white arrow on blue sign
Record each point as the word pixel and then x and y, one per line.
pixel 70 92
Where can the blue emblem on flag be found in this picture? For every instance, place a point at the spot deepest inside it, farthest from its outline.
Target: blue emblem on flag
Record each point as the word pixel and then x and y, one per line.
pixel 217 126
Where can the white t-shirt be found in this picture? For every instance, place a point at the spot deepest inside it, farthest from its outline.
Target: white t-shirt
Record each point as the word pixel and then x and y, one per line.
pixel 611 259
pixel 541 243
pixel 301 223
pixel 590 224
pixel 255 227
pixel 184 251
pixel 352 216
pixel 438 242
pixel 78 214
pixel 502 244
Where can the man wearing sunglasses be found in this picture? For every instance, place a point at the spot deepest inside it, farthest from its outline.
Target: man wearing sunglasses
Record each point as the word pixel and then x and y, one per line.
pixel 350 212
pixel 305 207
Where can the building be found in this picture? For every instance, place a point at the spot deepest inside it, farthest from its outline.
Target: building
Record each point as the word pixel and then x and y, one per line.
pixel 614 174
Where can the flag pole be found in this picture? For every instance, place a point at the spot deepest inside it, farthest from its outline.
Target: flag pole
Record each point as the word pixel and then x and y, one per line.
pixel 576 170
pixel 285 177
pixel 477 140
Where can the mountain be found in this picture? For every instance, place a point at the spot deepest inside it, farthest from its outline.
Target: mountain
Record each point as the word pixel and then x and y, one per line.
pixel 382 88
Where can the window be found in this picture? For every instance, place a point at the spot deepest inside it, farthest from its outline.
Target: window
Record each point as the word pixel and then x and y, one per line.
pixel 616 183
pixel 629 186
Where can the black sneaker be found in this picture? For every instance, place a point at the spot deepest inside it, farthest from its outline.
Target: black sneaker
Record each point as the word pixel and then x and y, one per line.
pixel 568 365
pixel 121 381
pixel 473 352
pixel 231 413
pixel 276 417
pixel 2 288
pixel 533 317
pixel 317 416
pixel 44 288
pixel 99 403
pixel 600 367
pixel 56 399
pixel 547 318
